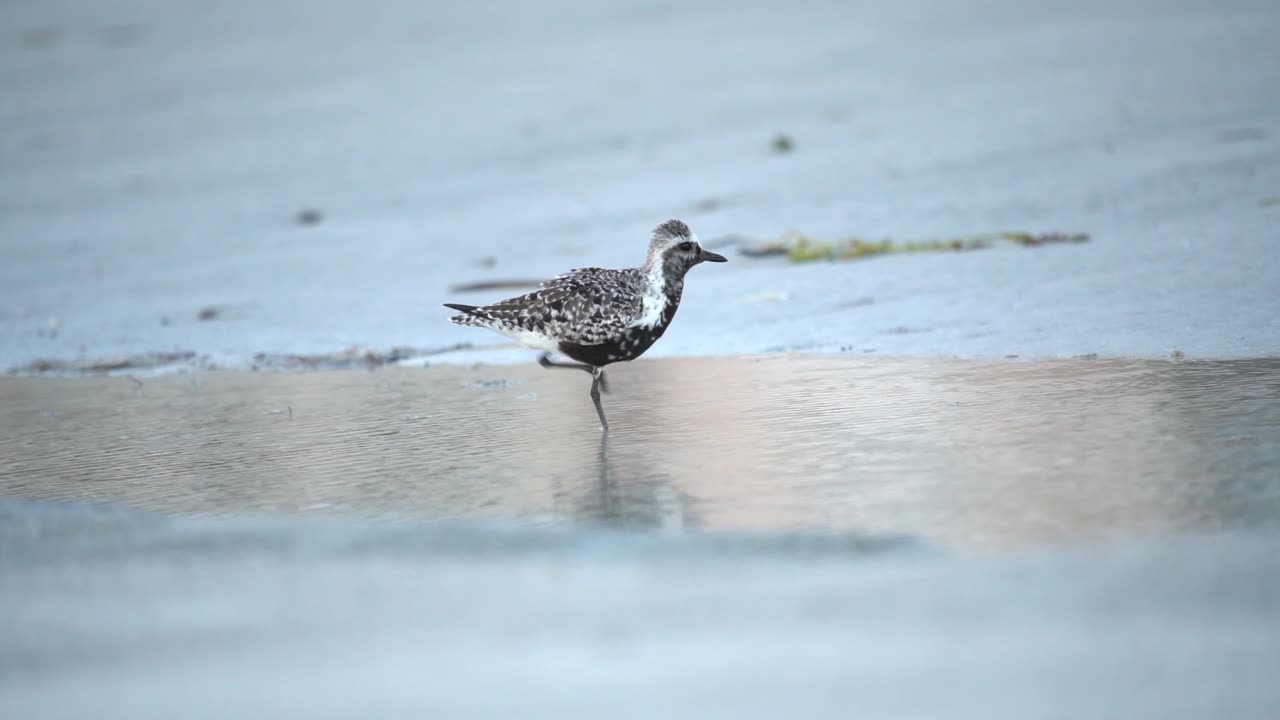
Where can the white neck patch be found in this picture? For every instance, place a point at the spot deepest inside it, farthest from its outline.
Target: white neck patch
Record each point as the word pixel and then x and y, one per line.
pixel 654 300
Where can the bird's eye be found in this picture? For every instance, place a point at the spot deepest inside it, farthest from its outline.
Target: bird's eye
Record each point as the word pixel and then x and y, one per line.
pixel 686 246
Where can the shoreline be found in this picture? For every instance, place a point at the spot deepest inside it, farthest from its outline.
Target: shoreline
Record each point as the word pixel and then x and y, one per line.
pixel 369 361
pixel 364 359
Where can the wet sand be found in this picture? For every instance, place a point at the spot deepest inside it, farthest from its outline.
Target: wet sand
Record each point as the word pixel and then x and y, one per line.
pixel 113 614
pixel 1076 538
pixel 953 453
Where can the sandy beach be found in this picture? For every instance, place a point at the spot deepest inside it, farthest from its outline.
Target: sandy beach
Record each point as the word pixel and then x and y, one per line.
pixel 1016 481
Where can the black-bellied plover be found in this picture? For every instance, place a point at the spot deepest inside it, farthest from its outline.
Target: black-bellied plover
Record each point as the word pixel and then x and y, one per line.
pixel 597 316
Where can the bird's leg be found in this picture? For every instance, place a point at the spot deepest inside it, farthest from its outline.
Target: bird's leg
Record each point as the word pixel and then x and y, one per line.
pixel 597 374
pixel 545 361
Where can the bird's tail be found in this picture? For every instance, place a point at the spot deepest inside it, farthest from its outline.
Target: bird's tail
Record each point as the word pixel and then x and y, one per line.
pixel 469 316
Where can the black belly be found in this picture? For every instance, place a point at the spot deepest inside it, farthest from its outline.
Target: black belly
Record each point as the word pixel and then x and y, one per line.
pixel 628 346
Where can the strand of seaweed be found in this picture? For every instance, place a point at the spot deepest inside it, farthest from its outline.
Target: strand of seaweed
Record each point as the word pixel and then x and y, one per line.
pixel 800 248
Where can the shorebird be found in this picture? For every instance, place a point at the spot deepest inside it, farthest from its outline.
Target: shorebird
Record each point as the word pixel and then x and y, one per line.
pixel 598 316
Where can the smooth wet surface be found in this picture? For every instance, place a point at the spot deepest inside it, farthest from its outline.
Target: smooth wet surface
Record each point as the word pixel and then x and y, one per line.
pixel 835 535
pixel 949 452
pixel 121 614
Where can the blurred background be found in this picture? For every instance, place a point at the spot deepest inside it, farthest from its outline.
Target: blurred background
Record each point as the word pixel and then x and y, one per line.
pixel 300 185
pixel 209 181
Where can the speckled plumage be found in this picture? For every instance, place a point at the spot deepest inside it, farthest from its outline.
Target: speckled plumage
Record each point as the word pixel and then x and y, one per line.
pixel 599 316
pixel 585 306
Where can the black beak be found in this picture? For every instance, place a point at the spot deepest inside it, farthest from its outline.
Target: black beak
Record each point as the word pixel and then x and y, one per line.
pixel 706 256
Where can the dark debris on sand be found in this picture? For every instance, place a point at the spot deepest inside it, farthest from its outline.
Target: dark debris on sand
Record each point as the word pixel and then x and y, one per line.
pixel 97 366
pixel 351 357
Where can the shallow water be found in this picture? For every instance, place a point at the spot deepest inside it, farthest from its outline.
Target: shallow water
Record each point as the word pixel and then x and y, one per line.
pixel 112 612
pixel 953 452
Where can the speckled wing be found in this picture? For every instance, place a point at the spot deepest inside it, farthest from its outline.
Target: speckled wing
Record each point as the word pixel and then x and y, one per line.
pixel 587 306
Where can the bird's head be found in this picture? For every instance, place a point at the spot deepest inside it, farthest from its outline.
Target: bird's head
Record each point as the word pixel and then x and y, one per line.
pixel 675 249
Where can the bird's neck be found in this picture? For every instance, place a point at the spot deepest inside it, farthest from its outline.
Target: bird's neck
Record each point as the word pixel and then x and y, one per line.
pixel 664 281
pixel 661 296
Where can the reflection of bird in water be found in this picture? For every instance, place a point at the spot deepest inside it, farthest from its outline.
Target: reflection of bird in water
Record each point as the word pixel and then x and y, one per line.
pixel 597 316
pixel 639 502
